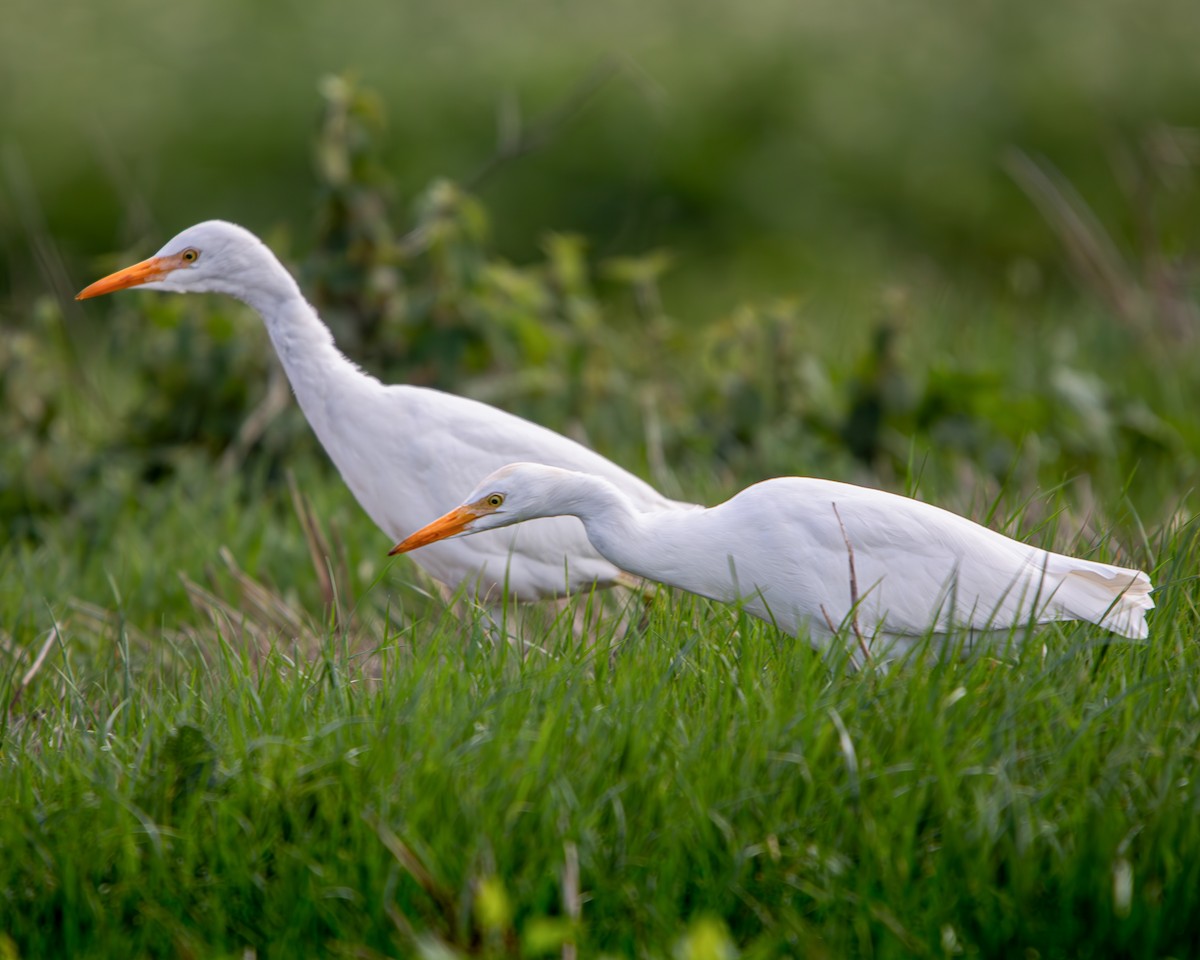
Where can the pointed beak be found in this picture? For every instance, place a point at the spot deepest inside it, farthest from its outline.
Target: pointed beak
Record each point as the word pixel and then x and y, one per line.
pixel 453 523
pixel 145 272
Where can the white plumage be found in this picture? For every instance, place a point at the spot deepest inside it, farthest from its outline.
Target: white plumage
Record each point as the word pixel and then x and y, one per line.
pixel 407 453
pixel 780 549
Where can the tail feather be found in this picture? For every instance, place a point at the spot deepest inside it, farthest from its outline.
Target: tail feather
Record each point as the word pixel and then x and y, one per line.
pixel 1113 597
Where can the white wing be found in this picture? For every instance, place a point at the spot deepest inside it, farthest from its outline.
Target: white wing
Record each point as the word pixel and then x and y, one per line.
pixel 916 567
pixel 409 454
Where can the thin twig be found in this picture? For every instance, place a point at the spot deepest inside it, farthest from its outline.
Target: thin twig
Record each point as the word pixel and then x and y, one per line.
pixel 318 546
pixel 273 403
pixel 862 643
pixel 272 609
pixel 570 894
pixel 32 672
pixel 412 865
pixel 514 140
pixel 129 185
pixel 1091 250
pixel 49 260
pixel 828 620
pixel 655 455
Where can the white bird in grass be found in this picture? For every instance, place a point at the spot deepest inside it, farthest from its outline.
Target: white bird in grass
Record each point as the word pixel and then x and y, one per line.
pixel 407 453
pixel 816 555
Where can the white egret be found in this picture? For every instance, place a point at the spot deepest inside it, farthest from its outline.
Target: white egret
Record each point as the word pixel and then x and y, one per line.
pixel 816 554
pixel 407 453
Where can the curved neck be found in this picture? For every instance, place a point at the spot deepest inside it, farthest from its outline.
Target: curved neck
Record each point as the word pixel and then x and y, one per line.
pixel 643 543
pixel 315 367
pixel 680 548
pixel 613 524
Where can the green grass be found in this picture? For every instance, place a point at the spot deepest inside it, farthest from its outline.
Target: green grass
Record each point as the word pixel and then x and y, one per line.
pixel 401 783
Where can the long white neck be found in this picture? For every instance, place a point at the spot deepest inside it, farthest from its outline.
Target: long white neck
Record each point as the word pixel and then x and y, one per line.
pixel 316 369
pixel 653 544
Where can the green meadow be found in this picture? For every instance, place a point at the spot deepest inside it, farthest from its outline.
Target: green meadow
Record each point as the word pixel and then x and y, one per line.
pixel 949 252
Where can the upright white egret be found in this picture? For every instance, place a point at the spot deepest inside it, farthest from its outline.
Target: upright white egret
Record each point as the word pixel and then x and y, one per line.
pixel 799 552
pixel 407 453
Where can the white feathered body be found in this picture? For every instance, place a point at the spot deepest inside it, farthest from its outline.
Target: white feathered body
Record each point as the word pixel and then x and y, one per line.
pixel 408 453
pixel 780 549
pixel 405 452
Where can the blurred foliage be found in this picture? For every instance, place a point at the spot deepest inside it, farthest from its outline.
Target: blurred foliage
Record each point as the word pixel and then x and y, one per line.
pixel 925 385
pixel 352 268
pixel 772 137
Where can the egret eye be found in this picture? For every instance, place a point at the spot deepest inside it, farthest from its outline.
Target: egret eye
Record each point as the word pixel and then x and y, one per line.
pixel 190 255
pixel 495 500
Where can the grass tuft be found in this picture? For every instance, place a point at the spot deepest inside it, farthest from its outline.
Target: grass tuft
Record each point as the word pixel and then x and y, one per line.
pixel 702 785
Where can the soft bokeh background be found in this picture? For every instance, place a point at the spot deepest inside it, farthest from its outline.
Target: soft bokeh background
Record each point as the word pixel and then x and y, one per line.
pixel 938 247
pixel 766 137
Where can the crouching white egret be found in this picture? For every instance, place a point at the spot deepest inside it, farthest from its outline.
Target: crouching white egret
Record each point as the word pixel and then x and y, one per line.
pixel 799 552
pixel 407 453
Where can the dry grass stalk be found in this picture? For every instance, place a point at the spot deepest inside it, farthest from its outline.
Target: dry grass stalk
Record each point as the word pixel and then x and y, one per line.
pixel 862 642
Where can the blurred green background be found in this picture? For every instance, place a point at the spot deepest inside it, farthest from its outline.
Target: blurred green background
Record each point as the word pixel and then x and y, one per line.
pixel 945 245
pixel 763 136
pixel 769 138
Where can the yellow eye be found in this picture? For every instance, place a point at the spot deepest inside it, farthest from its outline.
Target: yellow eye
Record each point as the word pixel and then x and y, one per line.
pixel 495 499
pixel 190 255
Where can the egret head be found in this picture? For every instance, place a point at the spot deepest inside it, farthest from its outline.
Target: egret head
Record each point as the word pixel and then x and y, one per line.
pixel 519 491
pixel 213 256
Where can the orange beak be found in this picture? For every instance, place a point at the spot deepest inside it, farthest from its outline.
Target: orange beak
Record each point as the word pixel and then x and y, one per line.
pixel 456 521
pixel 145 272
